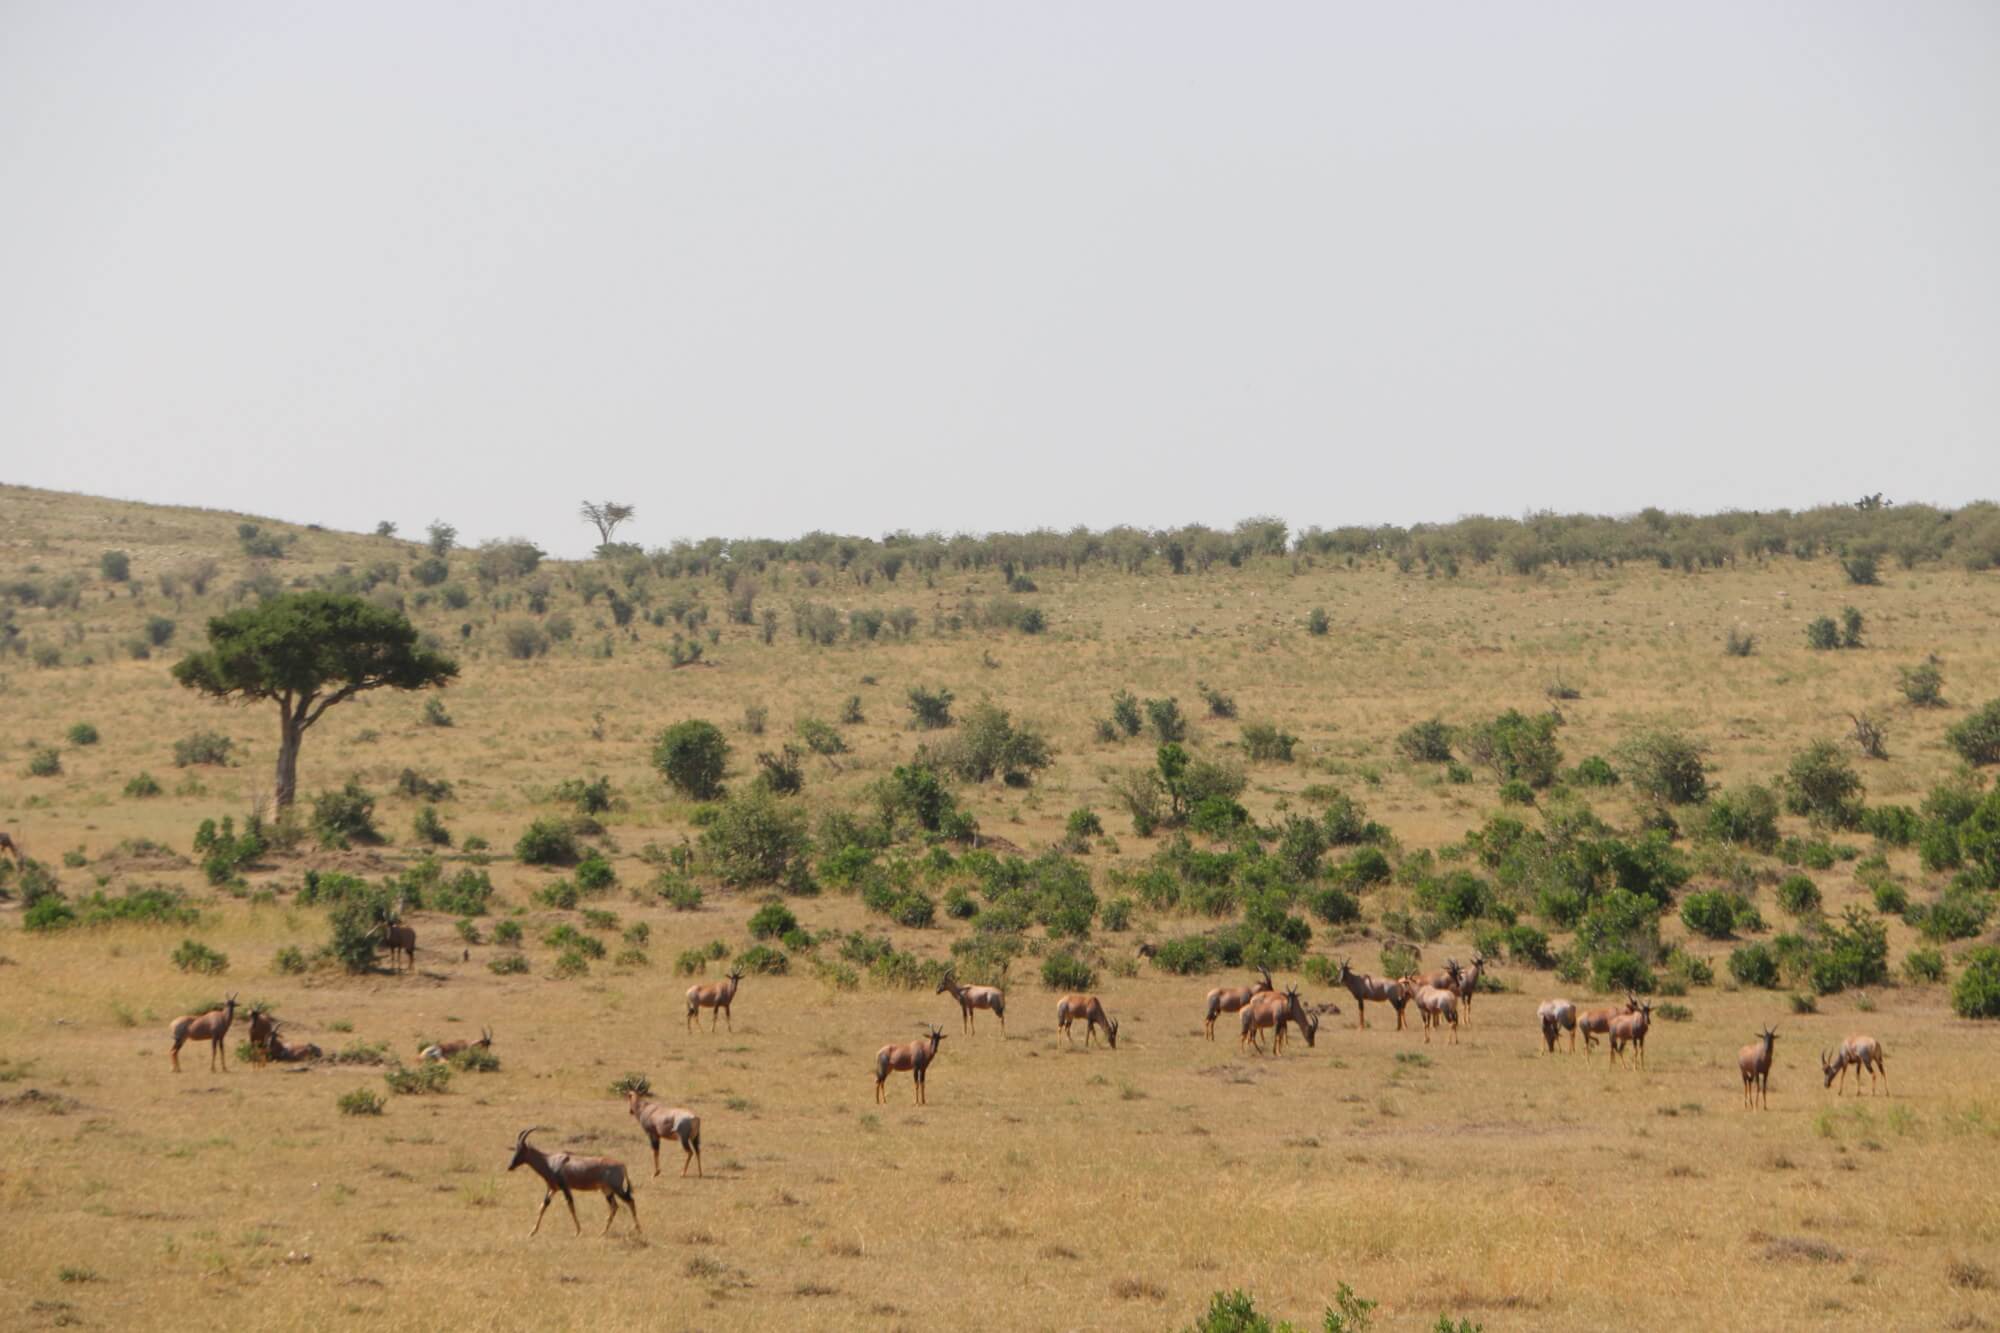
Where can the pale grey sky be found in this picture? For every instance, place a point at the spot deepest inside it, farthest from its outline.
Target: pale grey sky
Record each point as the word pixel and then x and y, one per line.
pixel 760 268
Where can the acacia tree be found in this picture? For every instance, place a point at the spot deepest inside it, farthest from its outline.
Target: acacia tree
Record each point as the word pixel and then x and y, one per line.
pixel 308 651
pixel 606 517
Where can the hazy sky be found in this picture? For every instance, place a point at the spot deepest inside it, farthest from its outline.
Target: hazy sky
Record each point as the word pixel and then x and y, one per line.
pixel 759 268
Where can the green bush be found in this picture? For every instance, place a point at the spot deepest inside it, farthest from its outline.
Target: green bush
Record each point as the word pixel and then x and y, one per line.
pixel 193 956
pixel 1067 972
pixel 1516 747
pixel 1976 994
pixel 1799 896
pixel 930 710
pixel 1336 907
pixel 203 747
pixel 1977 738
pixel 1594 771
pixel 429 827
pixel 1265 743
pixel 589 798
pixel 762 959
pixel 1754 965
pixel 1164 717
pixel 1959 913
pixel 772 920
pixel 1426 742
pixel 755 838
pixel 1125 714
pixel 1923 966
pixel 822 738
pixel 45 762
pixel 507 965
pixel 1516 792
pixel 547 842
pixel 419 1080
pixel 990 745
pixel 678 891
pixel 1317 622
pixel 82 733
pixel 594 874
pixel 289 961
pixel 1712 913
pixel 143 787
pixel 1184 956
pixel 1823 634
pixel 345 816
pixel 1923 684
pixel 356 924
pixel 692 756
pixel 361 1101
pixel 115 566
pixel 1822 784
pixel 507 933
pixel 1666 765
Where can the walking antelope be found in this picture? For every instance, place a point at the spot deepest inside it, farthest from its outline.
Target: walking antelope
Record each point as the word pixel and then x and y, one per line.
pixel 1468 985
pixel 1556 1015
pixel 401 940
pixel 915 1056
pixel 1091 1010
pixel 1630 1027
pixel 569 1173
pixel 439 1051
pixel 1231 999
pixel 975 997
pixel 1594 1023
pixel 668 1122
pixel 213 1025
pixel 716 995
pixel 1384 990
pixel 1861 1052
pixel 1438 1005
pixel 1754 1061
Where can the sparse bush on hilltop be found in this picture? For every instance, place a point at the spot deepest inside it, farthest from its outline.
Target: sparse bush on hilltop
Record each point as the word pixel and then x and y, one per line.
pixel 692 756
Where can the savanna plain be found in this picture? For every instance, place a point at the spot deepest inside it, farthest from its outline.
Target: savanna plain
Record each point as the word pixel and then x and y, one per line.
pixel 1045 1185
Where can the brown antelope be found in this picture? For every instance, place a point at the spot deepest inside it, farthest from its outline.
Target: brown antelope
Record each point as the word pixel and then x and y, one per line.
pixel 1384 990
pixel 1864 1053
pixel 400 940
pixel 975 997
pixel 1438 1005
pixel 214 1025
pixel 569 1173
pixel 1468 985
pixel 716 995
pixel 439 1051
pixel 915 1056
pixel 1276 1011
pixel 1445 980
pixel 287 1054
pixel 13 848
pixel 1594 1023
pixel 1754 1061
pixel 1632 1028
pixel 1231 999
pixel 1555 1016
pixel 1090 1009
pixel 263 1031
pixel 668 1122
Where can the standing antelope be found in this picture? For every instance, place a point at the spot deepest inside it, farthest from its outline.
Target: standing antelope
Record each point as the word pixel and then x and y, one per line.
pixel 668 1122
pixel 568 1172
pixel 401 940
pixel 213 1025
pixel 1630 1027
pixel 1754 1061
pixel 975 997
pixel 8 845
pixel 439 1051
pixel 1555 1016
pixel 1861 1052
pixel 1468 985
pixel 915 1056
pixel 1445 980
pixel 1090 1009
pixel 716 995
pixel 1386 990
pixel 1231 999
pixel 263 1031
pixel 1438 1005
pixel 1275 1011
pixel 1597 1022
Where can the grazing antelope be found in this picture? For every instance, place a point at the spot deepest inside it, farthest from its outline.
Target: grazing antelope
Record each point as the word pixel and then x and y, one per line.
pixel 915 1056
pixel 1091 1009
pixel 1861 1052
pixel 400 940
pixel 214 1025
pixel 1438 1005
pixel 1632 1028
pixel 440 1051
pixel 1384 990
pixel 975 997
pixel 568 1173
pixel 1276 1011
pixel 1594 1023
pixel 668 1122
pixel 263 1031
pixel 1555 1016
pixel 1754 1061
pixel 1468 985
pixel 1231 999
pixel 716 995
pixel 7 844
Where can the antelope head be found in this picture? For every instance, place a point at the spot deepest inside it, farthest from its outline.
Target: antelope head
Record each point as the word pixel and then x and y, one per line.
pixel 1266 983
pixel 937 1035
pixel 1832 1071
pixel 230 1004
pixel 947 982
pixel 521 1145
pixel 1632 1003
pixel 1769 1036
pixel 485 1037
pixel 734 976
pixel 1111 1032
pixel 1345 973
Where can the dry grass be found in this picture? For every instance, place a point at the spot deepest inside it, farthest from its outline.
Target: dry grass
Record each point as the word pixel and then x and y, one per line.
pixel 1040 1188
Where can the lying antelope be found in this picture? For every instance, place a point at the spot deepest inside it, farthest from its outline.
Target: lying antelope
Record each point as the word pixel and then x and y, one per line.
pixel 1556 1015
pixel 1384 990
pixel 1754 1061
pixel 213 1025
pixel 1861 1052
pixel 1468 985
pixel 1594 1023
pixel 1438 1005
pixel 716 995
pixel 283 1053
pixel 439 1051
pixel 568 1173
pixel 975 997
pixel 1090 1009
pixel 915 1056
pixel 1231 999
pixel 668 1122
pixel 400 940
pixel 1631 1028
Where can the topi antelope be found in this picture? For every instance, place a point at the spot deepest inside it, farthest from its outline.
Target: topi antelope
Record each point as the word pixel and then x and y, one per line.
pixel 440 1051
pixel 400 940
pixel 1594 1023
pixel 1556 1015
pixel 1754 1061
pixel 1438 1006
pixel 214 1025
pixel 1384 990
pixel 915 1056
pixel 716 995
pixel 285 1054
pixel 1276 1011
pixel 12 848
pixel 263 1031
pixel 1864 1053
pixel 1445 980
pixel 1632 1028
pixel 568 1173
pixel 668 1122
pixel 1468 985
pixel 975 997
pixel 1231 999
pixel 1090 1009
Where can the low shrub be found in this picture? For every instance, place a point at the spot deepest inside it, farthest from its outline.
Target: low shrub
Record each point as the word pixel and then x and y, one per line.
pixel 1976 994
pixel 1067 972
pixel 361 1101
pixel 1754 965
pixel 193 956
pixel 203 747
pixel 762 959
pixel 419 1080
pixel 1977 738
pixel 546 842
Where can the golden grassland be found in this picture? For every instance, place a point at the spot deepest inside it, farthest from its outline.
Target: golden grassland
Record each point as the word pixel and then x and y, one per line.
pixel 1042 1187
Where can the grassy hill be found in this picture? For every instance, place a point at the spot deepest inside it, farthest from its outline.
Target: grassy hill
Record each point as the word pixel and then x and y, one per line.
pixel 1042 1186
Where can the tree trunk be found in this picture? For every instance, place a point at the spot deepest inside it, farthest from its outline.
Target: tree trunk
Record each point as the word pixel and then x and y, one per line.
pixel 290 733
